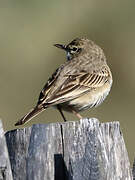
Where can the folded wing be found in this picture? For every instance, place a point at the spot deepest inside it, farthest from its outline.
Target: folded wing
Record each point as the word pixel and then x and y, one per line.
pixel 73 86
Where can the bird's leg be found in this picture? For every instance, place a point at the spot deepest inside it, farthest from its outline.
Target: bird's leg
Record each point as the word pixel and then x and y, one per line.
pixel 76 113
pixel 59 108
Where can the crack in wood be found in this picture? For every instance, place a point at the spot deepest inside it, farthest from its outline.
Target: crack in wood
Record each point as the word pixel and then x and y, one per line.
pixel 62 139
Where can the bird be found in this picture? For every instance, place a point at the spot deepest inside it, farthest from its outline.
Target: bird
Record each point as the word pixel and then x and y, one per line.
pixel 83 81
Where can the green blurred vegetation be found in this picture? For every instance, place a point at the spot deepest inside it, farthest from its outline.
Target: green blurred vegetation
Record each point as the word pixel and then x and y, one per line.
pixel 28 30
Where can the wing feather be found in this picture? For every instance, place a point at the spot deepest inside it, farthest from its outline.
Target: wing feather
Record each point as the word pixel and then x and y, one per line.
pixel 77 84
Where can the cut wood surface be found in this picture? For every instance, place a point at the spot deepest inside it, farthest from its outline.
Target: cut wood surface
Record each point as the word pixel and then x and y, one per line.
pixel 80 150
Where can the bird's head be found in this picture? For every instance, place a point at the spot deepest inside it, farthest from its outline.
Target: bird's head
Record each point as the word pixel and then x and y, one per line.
pixel 75 47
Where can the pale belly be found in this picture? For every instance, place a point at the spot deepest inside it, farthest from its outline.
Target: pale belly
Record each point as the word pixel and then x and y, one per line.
pixel 88 100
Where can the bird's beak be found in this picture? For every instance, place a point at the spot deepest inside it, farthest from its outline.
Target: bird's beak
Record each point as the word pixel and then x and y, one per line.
pixel 61 46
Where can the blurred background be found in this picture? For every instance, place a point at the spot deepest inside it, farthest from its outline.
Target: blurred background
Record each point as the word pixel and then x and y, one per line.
pixel 28 30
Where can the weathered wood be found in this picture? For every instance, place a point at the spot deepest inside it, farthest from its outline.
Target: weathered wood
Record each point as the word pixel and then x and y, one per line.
pixel 83 150
pixel 133 170
pixel 45 146
pixel 18 143
pixel 96 151
pixel 32 151
pixel 5 168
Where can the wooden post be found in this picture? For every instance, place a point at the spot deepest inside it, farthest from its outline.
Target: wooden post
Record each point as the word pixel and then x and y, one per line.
pixel 5 168
pixel 82 150
pixel 133 170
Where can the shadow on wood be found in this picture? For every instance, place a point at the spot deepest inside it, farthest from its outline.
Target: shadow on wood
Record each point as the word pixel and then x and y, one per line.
pixel 60 169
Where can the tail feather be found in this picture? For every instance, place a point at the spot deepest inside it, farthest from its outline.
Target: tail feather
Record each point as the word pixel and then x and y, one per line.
pixel 32 113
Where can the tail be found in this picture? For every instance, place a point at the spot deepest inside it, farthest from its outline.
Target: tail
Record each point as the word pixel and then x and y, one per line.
pixel 32 113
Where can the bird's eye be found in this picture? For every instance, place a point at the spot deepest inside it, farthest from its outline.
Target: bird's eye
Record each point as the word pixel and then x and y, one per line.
pixel 75 49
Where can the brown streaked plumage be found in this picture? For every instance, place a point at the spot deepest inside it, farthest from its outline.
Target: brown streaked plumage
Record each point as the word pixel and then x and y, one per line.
pixel 82 82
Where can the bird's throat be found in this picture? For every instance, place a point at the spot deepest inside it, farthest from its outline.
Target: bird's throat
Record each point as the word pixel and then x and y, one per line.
pixel 69 56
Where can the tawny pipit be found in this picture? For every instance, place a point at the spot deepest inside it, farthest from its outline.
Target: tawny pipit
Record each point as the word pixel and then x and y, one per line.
pixel 82 82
